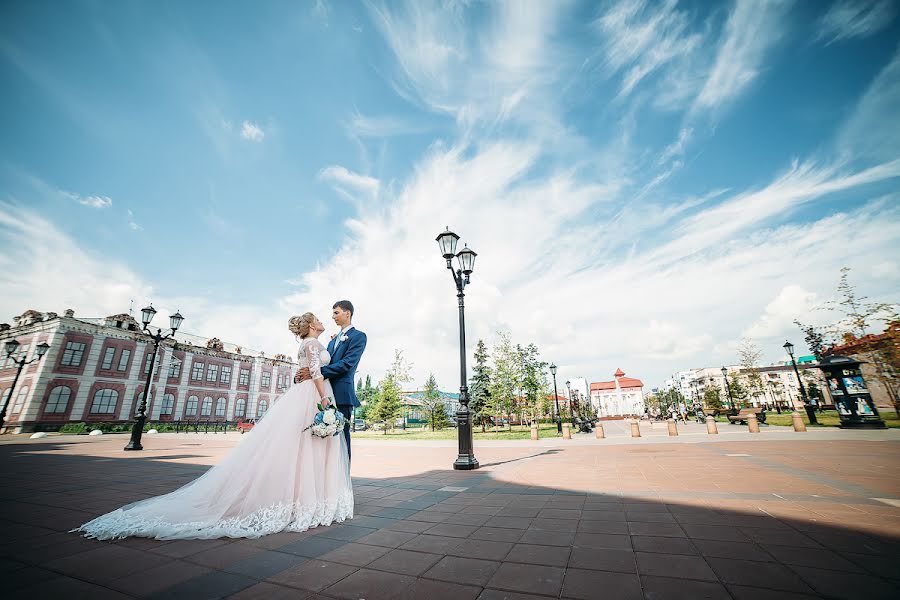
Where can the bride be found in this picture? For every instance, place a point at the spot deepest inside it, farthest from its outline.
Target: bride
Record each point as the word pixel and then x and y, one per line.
pixel 279 478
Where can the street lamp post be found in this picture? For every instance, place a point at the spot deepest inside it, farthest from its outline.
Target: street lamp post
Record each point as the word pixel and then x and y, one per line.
pixel 810 411
pixel 466 258
pixel 137 430
pixel 556 399
pixel 728 387
pixel 11 347
pixel 573 406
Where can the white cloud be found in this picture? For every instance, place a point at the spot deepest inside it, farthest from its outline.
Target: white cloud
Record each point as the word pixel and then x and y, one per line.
pixel 251 131
pixel 92 201
pixel 352 185
pixel 792 302
pixel 873 129
pixel 848 19
pixel 132 224
pixel 753 27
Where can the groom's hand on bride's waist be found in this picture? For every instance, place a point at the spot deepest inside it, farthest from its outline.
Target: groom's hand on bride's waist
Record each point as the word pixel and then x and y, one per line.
pixel 302 375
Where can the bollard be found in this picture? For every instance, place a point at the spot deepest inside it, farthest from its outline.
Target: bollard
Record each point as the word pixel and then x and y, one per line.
pixel 673 427
pixel 797 421
pixel 567 431
pixel 534 431
pixel 752 423
pixel 711 426
pixel 635 428
pixel 598 431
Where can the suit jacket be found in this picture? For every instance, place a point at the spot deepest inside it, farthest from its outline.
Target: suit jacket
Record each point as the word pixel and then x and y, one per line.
pixel 341 372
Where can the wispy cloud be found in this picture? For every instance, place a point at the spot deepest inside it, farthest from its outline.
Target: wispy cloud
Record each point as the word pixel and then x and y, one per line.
pixel 132 224
pixel 753 27
pixel 641 39
pixel 847 19
pixel 361 125
pixel 252 131
pixel 353 186
pixel 92 201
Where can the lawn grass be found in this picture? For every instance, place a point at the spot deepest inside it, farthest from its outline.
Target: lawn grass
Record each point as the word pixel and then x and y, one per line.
pixel 829 418
pixel 518 432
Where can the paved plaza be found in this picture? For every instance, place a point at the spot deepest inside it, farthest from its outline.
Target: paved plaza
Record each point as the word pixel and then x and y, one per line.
pixel 745 516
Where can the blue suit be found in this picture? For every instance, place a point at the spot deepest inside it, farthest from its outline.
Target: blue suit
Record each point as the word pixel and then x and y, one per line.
pixel 341 372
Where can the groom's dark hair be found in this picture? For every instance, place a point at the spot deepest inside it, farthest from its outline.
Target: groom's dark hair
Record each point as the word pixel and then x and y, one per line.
pixel 344 305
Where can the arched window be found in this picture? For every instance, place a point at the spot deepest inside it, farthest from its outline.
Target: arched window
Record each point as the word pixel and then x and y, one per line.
pixel 221 403
pixel 240 408
pixel 104 402
pixel 262 408
pixel 168 404
pixel 58 401
pixel 206 408
pixel 191 408
pixel 20 400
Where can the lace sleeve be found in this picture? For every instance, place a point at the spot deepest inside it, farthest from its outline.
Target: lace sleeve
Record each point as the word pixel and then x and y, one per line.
pixel 313 352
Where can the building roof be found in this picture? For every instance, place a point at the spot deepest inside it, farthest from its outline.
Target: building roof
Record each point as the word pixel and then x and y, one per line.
pixel 624 382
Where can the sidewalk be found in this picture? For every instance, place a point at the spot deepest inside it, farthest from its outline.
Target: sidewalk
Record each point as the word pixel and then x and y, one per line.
pixel 774 515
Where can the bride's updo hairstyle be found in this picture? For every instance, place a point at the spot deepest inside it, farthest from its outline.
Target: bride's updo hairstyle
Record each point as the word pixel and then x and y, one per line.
pixel 299 326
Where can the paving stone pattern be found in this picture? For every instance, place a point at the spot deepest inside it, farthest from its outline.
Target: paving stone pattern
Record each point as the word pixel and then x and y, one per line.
pixel 792 519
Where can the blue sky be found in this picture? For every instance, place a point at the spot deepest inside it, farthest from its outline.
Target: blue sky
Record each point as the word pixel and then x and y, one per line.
pixel 645 182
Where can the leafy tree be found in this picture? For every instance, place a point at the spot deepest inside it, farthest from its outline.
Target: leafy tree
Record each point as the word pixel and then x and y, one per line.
pixel 712 397
pixel 431 399
pixel 387 406
pixel 534 378
pixel 504 381
pixel 480 387
pixel 750 356
pixel 438 417
pixel 738 391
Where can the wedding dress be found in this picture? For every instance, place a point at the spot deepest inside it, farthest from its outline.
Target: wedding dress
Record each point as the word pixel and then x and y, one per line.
pixel 279 478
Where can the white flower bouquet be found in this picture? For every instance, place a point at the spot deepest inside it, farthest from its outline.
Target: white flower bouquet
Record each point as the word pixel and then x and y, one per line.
pixel 328 421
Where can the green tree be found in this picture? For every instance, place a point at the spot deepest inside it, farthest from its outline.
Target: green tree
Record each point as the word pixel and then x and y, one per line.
pixel 750 356
pixel 534 379
pixel 387 406
pixel 438 417
pixel 431 399
pixel 712 397
pixel 504 381
pixel 480 387
pixel 738 391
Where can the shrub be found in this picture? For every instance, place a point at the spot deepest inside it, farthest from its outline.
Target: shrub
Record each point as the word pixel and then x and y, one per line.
pixel 76 428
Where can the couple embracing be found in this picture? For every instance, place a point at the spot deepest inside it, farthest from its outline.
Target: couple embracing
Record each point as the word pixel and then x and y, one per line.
pixel 279 478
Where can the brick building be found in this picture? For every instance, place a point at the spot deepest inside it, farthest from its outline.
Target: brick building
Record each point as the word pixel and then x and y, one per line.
pixel 96 370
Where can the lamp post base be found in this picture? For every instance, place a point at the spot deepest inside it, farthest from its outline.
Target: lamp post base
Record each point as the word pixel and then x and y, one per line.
pixel 811 414
pixel 465 460
pixel 136 431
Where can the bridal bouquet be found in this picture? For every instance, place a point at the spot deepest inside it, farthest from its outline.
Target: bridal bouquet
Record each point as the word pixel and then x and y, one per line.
pixel 328 421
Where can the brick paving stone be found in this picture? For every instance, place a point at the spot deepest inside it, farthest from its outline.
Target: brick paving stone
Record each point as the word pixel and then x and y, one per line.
pixel 510 522
pixel 152 581
pixel 674 565
pixel 467 519
pixel 375 522
pixel 269 591
pixel 371 585
pixel 780 537
pixel 621 561
pixel 819 558
pixel 67 587
pixel 452 530
pixel 546 524
pixel 603 515
pixel 551 556
pixel 603 540
pixel 395 513
pixel 667 588
pixel 467 571
pixel 739 550
pixel 588 585
pixel 439 590
pixel 498 534
pixel 666 545
pixel 357 555
pixel 215 584
pixel 183 548
pixel 844 585
pixel 649 517
pixel 547 538
pixel 430 516
pixel 516 577
pixel 770 575
pixel 222 556
pixel 410 526
pixel 347 533
pixel 116 562
pixel 387 538
pixel 490 594
pixel 313 575
pixel 485 549
pixel 740 592
pixel 656 529
pixel 714 532
pixel 619 527
pixel 558 513
pixel 406 562
pixel 265 564
pixel 437 544
pixel 312 547
pixel 26 576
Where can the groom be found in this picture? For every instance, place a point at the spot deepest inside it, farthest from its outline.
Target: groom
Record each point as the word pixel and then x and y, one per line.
pixel 345 348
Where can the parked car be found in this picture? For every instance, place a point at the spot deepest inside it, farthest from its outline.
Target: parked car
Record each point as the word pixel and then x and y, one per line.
pixel 378 425
pixel 359 424
pixel 245 425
